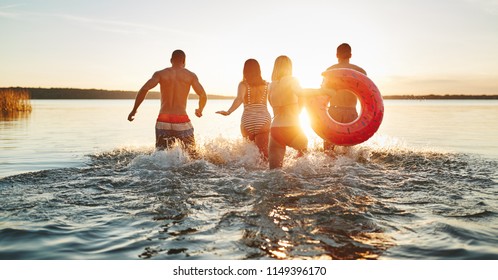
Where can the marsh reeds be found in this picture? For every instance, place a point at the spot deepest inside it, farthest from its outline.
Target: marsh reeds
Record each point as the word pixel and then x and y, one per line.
pixel 15 100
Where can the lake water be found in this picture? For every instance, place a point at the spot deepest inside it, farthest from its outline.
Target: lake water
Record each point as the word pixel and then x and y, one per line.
pixel 78 181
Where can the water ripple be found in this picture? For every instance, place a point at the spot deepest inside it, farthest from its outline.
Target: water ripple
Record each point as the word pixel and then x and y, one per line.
pixel 369 203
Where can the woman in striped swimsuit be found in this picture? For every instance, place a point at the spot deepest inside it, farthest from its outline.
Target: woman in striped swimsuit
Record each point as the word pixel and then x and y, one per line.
pixel 256 120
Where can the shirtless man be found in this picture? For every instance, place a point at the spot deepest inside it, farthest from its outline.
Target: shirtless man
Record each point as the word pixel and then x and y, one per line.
pixel 343 104
pixel 173 122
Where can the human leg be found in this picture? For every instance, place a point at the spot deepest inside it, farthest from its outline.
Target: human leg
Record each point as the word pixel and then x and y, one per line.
pixel 300 142
pixel 188 144
pixel 262 141
pixel 328 148
pixel 163 140
pixel 276 154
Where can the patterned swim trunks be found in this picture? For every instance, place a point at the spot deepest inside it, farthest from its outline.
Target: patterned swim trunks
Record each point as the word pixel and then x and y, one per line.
pixel 170 128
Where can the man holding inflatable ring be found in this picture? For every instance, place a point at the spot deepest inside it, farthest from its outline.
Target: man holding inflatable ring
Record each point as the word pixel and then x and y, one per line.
pixel 343 105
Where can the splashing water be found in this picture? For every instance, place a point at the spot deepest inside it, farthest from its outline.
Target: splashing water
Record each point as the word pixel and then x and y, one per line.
pixel 381 199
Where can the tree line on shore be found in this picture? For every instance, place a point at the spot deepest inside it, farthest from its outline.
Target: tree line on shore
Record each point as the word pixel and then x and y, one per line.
pixel 73 93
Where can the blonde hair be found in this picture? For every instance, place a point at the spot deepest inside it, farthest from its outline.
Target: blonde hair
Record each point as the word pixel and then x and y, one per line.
pixel 282 68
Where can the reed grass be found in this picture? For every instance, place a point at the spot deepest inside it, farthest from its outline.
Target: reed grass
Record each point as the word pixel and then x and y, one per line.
pixel 15 100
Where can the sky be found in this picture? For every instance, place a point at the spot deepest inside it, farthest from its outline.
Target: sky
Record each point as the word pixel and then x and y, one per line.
pixel 406 47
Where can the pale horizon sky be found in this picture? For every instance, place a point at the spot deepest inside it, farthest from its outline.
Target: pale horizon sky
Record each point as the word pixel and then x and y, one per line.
pixel 406 47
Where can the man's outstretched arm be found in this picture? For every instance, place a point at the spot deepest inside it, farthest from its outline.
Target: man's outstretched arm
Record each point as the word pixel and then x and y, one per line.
pixel 199 90
pixel 150 84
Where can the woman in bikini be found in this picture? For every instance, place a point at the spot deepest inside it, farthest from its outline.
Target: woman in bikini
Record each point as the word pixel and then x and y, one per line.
pixel 284 98
pixel 253 92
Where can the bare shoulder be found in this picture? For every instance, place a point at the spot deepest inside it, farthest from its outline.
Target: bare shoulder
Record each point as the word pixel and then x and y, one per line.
pixel 242 85
pixel 290 81
pixel 358 68
pixel 164 72
pixel 287 80
pixel 348 66
pixel 177 73
pixel 191 76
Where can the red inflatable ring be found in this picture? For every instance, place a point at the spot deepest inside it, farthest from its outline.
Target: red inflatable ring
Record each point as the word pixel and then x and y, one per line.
pixel 357 131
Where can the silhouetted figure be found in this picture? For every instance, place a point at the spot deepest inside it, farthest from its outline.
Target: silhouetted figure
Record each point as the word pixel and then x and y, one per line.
pixel 284 98
pixel 343 103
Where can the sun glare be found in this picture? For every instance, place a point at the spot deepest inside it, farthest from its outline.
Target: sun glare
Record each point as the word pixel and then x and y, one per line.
pixel 305 122
pixel 310 80
pixel 310 75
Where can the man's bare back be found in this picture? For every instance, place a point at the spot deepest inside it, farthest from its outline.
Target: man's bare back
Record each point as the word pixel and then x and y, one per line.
pixel 175 83
pixel 173 122
pixel 175 86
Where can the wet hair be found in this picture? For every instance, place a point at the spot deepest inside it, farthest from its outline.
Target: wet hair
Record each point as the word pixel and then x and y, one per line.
pixel 178 56
pixel 252 73
pixel 344 51
pixel 282 68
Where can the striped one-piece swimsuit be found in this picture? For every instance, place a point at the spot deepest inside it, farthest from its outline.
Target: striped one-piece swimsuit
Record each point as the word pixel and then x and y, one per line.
pixel 256 115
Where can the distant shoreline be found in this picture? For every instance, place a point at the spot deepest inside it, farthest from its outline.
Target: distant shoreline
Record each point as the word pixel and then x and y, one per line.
pixel 72 93
pixel 438 97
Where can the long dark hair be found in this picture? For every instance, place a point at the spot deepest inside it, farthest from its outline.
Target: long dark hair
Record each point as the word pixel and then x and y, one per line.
pixel 252 73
